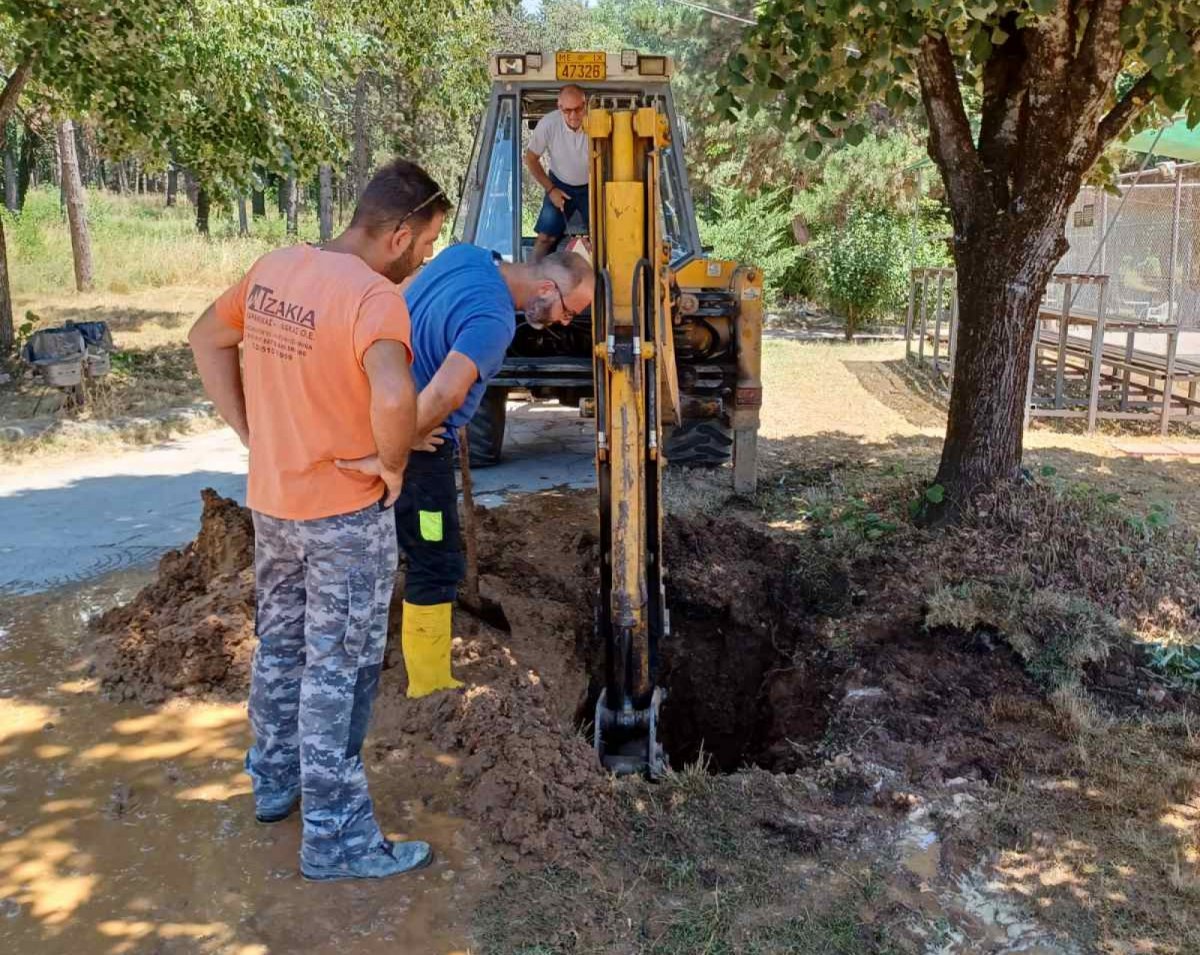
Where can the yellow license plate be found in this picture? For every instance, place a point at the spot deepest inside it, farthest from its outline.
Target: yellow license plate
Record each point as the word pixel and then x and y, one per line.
pixel 580 66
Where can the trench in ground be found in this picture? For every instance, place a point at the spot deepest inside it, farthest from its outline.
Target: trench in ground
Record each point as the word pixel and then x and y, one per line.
pixel 746 682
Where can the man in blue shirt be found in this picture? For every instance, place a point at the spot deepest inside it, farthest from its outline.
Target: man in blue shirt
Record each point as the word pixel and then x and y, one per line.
pixel 463 307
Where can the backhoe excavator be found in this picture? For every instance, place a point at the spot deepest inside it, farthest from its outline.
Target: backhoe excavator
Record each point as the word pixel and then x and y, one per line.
pixel 668 359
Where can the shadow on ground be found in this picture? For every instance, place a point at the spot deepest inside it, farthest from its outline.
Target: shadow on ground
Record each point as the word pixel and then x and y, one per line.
pixel 129 829
pixel 120 318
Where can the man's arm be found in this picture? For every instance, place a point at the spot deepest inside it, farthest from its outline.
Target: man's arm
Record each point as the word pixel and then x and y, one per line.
pixel 446 391
pixel 393 410
pixel 215 348
pixel 533 162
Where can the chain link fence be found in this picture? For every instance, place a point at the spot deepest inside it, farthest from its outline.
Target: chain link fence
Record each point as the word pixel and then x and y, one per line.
pixel 1152 249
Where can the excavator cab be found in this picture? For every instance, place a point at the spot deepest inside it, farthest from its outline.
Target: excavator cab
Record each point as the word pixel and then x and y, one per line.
pixel 711 414
pixel 667 358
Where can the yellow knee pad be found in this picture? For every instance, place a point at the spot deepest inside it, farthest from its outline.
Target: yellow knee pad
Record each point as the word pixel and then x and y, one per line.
pixel 425 640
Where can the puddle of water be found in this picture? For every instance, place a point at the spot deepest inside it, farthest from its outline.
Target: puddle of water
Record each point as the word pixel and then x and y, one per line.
pixel 129 829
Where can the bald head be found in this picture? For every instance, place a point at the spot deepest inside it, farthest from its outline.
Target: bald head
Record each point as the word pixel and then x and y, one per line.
pixel 572 103
pixel 570 272
pixel 553 290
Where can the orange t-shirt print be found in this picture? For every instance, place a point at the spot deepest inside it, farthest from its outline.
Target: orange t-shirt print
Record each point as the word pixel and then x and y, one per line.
pixel 307 317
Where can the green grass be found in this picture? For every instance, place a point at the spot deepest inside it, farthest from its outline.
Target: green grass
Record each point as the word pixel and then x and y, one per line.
pixel 826 934
pixel 137 243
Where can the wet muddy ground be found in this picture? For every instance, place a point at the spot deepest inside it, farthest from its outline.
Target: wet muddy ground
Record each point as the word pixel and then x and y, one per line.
pixel 126 828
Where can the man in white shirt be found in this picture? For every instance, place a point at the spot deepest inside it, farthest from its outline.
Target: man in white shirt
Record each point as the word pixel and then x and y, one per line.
pixel 561 138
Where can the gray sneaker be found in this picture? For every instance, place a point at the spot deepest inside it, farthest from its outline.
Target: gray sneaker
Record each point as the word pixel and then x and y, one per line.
pixel 386 859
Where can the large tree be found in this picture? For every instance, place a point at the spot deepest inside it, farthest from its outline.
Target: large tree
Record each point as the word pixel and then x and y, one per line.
pixel 1054 83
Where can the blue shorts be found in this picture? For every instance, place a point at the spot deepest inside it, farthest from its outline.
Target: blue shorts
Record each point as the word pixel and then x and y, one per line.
pixel 551 221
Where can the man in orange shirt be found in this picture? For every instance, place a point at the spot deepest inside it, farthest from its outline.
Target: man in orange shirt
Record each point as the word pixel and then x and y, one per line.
pixel 324 334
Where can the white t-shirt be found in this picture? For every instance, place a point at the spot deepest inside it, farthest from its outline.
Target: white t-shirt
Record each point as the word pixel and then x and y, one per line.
pixel 567 148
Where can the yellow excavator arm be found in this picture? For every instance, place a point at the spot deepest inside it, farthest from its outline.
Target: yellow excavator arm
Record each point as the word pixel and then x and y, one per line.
pixel 631 337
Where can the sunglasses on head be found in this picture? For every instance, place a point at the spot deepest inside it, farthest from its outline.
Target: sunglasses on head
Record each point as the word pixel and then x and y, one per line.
pixel 412 212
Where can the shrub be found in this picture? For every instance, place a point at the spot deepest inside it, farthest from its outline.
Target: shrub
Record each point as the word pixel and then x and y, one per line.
pixel 863 267
pixel 755 229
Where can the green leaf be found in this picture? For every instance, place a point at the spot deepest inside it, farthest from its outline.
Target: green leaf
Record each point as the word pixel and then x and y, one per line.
pixel 935 494
pixel 1048 470
pixel 981 47
pixel 813 149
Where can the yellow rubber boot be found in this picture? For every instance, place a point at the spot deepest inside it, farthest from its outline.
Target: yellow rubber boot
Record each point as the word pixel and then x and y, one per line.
pixel 425 640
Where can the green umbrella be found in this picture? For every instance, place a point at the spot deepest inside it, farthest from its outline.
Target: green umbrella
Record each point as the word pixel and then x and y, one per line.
pixel 1177 142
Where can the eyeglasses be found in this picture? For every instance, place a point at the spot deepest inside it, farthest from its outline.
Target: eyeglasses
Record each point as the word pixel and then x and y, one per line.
pixel 571 316
pixel 440 194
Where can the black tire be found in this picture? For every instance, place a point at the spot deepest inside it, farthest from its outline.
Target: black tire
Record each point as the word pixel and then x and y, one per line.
pixel 486 430
pixel 701 443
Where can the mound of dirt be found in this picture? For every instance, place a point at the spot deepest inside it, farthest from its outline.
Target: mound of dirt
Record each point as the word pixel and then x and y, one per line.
pixel 520 769
pixel 192 629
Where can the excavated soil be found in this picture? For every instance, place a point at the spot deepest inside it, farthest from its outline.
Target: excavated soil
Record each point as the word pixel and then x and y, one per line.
pixel 191 630
pixel 743 685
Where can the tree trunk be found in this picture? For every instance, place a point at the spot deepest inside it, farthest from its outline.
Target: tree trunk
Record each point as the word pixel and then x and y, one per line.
pixel 81 242
pixel 7 332
pixel 83 155
pixel 10 177
pixel 281 195
pixel 243 222
pixel 361 157
pixel 122 185
pixel 172 184
pixel 325 202
pixel 292 191
pixel 1002 276
pixel 202 209
pixel 258 204
pixel 56 174
pixel 29 145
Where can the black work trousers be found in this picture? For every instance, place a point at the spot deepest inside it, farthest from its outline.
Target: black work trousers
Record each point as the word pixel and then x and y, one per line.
pixel 427 527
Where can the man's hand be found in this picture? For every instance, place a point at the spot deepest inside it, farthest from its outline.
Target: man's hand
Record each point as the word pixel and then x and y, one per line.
pixel 372 465
pixel 558 197
pixel 431 441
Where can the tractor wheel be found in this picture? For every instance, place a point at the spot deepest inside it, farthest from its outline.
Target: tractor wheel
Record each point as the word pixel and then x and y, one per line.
pixel 702 443
pixel 486 429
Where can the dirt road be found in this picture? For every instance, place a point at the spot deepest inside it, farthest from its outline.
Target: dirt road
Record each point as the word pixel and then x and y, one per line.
pixel 69 521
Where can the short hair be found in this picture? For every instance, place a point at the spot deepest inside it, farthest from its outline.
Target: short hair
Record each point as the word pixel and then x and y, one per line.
pixel 569 269
pixel 572 88
pixel 400 191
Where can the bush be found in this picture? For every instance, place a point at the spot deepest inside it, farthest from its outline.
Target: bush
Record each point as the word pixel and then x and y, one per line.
pixel 756 229
pixel 864 267
pixel 881 174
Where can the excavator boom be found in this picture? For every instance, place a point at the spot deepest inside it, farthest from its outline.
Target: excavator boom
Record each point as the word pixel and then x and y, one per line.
pixel 627 330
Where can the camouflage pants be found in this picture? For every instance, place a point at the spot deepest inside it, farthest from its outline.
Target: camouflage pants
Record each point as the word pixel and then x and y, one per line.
pixel 323 589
